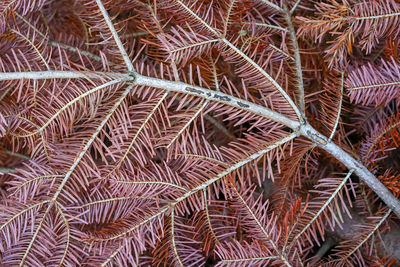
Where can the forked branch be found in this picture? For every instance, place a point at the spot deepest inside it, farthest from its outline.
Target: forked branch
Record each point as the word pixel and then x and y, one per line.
pixel 302 129
pixel 108 131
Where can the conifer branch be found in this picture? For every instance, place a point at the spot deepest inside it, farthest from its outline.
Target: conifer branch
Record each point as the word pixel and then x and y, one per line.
pixel 70 103
pixel 220 97
pixel 22 212
pixel 352 164
pixel 55 74
pixel 65 134
pixel 175 249
pixel 90 141
pixel 35 234
pixel 68 233
pixel 245 57
pixel 323 207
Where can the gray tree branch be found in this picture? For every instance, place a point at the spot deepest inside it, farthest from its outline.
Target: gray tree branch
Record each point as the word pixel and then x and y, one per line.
pixel 304 129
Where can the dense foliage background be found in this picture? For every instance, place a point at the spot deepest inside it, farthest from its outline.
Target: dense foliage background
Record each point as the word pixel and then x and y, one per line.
pixel 199 133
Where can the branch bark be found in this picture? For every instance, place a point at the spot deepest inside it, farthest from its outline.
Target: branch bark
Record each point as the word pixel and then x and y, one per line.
pixel 114 33
pixel 299 72
pixel 220 97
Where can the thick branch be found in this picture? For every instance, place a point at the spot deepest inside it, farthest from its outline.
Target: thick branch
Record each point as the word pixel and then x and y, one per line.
pixel 114 33
pixel 272 5
pixel 180 87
